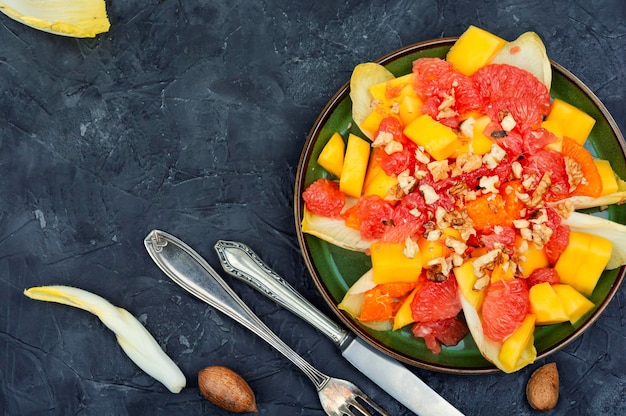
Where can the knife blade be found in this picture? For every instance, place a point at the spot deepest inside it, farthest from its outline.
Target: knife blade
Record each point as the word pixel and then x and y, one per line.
pixel 239 261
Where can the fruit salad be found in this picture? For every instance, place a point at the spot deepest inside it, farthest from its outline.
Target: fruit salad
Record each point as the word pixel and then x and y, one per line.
pixel 463 190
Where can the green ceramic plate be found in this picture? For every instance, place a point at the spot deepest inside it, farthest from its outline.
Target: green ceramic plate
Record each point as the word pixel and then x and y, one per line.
pixel 334 269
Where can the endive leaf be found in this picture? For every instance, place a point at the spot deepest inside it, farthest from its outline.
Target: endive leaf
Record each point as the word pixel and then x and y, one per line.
pixel 132 336
pixel 363 77
pixel 491 349
pixel 612 231
pixel 334 231
pixel 75 18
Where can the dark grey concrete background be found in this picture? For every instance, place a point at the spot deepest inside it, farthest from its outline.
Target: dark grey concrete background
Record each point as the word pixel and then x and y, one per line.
pixel 190 117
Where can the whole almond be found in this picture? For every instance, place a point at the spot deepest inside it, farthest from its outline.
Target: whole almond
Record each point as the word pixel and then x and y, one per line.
pixel 226 389
pixel 542 390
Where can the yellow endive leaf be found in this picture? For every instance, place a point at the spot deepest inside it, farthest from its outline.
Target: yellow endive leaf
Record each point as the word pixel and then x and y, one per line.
pixel 132 336
pixel 74 18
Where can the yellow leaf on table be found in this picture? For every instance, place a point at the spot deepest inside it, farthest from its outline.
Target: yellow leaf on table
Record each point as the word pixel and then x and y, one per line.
pixel 132 336
pixel 74 18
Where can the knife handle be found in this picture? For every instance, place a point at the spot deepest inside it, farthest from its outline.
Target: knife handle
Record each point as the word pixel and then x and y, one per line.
pixel 241 262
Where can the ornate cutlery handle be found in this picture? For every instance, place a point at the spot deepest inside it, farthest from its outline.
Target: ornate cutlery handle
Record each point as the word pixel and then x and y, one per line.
pixel 187 268
pixel 241 262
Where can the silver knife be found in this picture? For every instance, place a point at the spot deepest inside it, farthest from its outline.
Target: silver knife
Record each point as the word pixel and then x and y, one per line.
pixel 241 262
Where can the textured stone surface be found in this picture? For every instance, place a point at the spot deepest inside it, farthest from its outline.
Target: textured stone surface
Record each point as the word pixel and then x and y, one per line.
pixel 190 117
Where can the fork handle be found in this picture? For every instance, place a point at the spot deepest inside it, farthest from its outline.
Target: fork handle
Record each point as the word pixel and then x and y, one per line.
pixel 187 268
pixel 241 262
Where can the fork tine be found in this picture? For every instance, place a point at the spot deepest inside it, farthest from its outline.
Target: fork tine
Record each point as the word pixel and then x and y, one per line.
pixel 361 408
pixel 371 403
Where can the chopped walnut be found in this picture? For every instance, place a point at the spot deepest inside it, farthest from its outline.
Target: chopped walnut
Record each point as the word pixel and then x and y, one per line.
pixel 486 262
pixel 458 246
pixel 481 283
pixel 406 181
pixel 430 196
pixel 540 191
pixel 466 162
pixel 494 157
pixel 519 224
pixel 528 181
pixel 395 193
pixel 411 249
pixel 516 168
pixel 438 270
pixel 395 108
pixel 508 123
pixel 445 108
pixel 393 147
pixel 564 209
pixel 383 138
pixel 439 169
pixel 467 127
pixel 421 155
pixel 489 184
pixel 574 173
pixel 459 220
pixel 541 234
pixel 433 235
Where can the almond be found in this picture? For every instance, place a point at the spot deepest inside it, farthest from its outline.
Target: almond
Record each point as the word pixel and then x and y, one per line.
pixel 225 388
pixel 542 390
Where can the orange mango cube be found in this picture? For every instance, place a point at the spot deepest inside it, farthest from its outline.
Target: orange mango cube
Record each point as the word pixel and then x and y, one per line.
pixel 377 182
pixel 390 264
pixel 532 257
pixel 465 278
pixel 546 305
pixel 331 156
pixel 609 181
pixel 354 166
pixel 582 262
pixel 514 346
pixel 473 50
pixel 404 315
pixel 575 123
pixel 438 140
pixel 574 303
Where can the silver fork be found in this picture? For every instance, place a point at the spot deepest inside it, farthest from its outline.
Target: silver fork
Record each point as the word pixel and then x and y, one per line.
pixel 187 268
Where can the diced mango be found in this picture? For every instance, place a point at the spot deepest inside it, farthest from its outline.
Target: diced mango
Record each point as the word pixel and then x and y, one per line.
pixel 404 316
pixel 583 260
pixel 377 182
pixel 466 278
pixel 410 109
pixel 609 181
pixel 546 305
pixel 474 49
pixel 502 272
pixel 569 261
pixel 369 126
pixel 438 140
pixel 576 124
pixel 430 250
pixel 514 345
pixel 389 90
pixel 354 166
pixel 555 127
pixel 574 303
pixel 532 257
pixel 592 267
pixel 390 264
pixel 481 144
pixel 331 156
